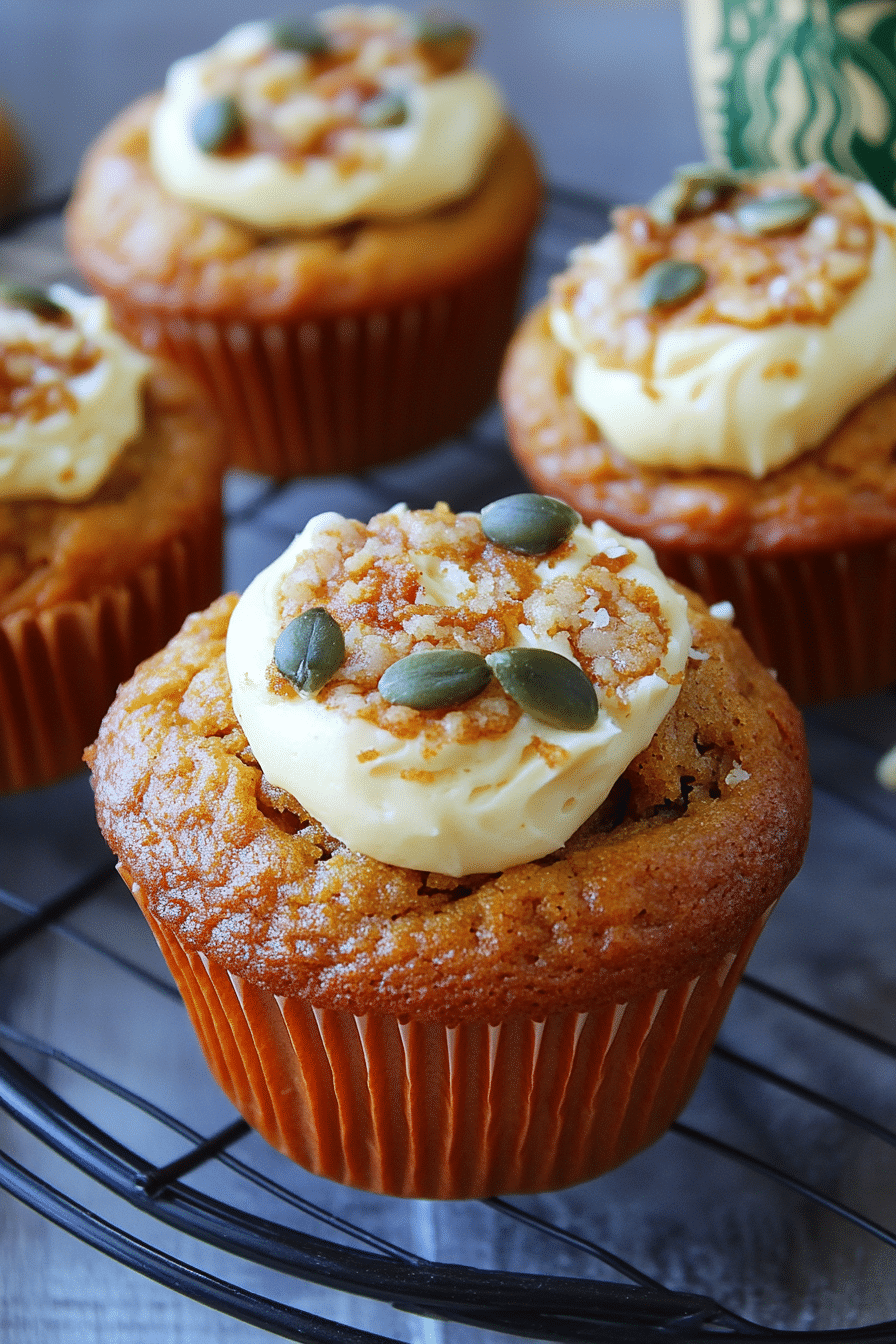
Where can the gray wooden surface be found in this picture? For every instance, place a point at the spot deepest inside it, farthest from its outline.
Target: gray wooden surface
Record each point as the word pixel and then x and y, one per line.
pixel 603 89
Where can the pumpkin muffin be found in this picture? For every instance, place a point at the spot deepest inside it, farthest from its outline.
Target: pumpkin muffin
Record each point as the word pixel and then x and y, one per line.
pixel 110 521
pixel 456 833
pixel 327 221
pixel 717 376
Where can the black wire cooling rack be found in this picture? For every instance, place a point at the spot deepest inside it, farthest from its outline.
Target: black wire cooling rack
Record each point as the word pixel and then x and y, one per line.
pixel 768 1211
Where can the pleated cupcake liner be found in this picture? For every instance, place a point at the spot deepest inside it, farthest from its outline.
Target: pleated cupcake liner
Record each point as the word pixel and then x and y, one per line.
pixel 60 668
pixel 452 1112
pixel 341 393
pixel 823 621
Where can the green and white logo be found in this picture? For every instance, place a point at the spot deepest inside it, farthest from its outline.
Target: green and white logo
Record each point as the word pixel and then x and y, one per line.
pixel 798 81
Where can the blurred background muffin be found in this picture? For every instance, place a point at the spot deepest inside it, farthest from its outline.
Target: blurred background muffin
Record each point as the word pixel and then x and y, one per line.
pixel 110 520
pixel 716 376
pixel 326 219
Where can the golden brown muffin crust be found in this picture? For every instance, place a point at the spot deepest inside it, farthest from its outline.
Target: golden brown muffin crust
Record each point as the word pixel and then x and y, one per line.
pixel 141 246
pixel 164 480
pixel 697 839
pixel 842 492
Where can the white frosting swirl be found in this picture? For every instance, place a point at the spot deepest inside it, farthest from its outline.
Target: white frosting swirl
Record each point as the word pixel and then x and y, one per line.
pixel 437 155
pixel 479 806
pixel 720 395
pixel 65 453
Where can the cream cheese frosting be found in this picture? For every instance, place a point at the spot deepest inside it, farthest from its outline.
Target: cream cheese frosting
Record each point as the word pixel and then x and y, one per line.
pixel 457 802
pixel 328 166
pixel 886 770
pixel 741 398
pixel 71 398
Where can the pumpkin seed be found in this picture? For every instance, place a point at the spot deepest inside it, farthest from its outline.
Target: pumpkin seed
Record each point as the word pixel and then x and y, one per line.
pixel 445 44
pixel 696 188
pixel 529 524
pixel 301 35
pixel 433 31
pixel 387 109
pixel 216 124
pixel 777 214
pixel 670 203
pixel 551 688
pixel 309 650
pixel 35 300
pixel 701 175
pixel 668 283
pixel 434 679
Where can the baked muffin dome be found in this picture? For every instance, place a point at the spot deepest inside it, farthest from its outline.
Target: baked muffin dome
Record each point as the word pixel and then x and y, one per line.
pixel 460 1034
pixel 699 836
pixel 802 543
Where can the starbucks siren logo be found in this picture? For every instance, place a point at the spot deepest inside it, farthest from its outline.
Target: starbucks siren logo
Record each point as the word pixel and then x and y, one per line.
pixel 793 82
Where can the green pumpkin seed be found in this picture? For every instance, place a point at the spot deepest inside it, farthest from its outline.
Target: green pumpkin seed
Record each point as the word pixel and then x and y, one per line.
pixel 777 214
pixel 387 109
pixel 709 175
pixel 696 188
pixel 668 283
pixel 670 203
pixel 216 124
pixel 302 35
pixel 35 300
pixel 551 688
pixel 435 32
pixel 529 524
pixel 309 650
pixel 434 679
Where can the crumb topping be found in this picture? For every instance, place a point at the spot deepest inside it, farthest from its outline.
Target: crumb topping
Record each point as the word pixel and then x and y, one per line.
pixel 804 275
pixel 427 579
pixel 356 66
pixel 38 360
pixel 70 393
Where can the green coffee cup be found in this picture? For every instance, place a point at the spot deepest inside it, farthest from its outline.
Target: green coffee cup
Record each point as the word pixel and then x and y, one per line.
pixel 790 82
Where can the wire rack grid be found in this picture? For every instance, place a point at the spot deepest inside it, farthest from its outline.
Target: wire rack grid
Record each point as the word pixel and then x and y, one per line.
pixel 768 1211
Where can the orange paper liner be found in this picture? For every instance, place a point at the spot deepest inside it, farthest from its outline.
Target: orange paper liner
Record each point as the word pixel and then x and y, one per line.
pixel 825 622
pixel 419 1109
pixel 341 393
pixel 60 668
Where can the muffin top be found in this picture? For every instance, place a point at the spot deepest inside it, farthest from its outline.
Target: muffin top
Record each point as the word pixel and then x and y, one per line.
pixel 470 688
pixel 104 454
pixel 696 838
pixel 734 321
pixel 840 493
pixel 307 123
pixel 70 393
pixel 149 250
